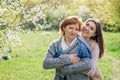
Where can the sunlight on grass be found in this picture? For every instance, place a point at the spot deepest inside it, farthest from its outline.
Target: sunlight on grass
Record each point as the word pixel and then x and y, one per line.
pixel 26 62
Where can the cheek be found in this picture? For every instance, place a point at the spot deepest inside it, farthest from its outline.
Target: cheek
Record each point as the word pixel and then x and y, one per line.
pixel 77 32
pixel 92 34
pixel 82 29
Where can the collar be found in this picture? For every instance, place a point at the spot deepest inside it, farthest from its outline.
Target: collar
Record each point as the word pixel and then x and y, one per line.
pixel 64 46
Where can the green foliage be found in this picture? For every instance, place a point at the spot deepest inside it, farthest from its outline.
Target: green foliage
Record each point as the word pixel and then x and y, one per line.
pixel 108 12
pixel 84 12
pixel 9 9
pixel 55 15
pixel 47 14
pixel 14 17
pixel 112 44
pixel 25 15
pixel 5 58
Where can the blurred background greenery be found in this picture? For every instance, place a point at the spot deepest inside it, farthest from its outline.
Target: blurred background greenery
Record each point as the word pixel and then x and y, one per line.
pixel 39 15
pixel 23 21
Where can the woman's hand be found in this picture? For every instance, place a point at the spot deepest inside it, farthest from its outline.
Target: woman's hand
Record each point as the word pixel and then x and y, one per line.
pixel 74 58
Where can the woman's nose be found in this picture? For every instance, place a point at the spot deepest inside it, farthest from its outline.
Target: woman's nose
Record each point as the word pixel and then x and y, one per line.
pixel 74 31
pixel 87 27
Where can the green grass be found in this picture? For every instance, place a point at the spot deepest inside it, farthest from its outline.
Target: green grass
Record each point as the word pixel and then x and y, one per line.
pixel 26 62
pixel 113 44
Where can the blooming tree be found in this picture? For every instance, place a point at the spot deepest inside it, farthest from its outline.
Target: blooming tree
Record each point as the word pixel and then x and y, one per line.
pixel 13 16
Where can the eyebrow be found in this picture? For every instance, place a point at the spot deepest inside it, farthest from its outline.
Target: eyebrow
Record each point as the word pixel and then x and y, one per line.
pixel 89 24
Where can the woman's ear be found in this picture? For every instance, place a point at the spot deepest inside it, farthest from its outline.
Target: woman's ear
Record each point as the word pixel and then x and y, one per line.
pixel 63 30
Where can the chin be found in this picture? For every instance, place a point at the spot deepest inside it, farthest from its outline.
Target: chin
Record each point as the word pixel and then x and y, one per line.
pixel 84 35
pixel 72 38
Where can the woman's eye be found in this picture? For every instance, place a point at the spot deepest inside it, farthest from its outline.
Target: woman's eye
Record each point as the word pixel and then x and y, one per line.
pixel 87 24
pixel 77 29
pixel 70 28
pixel 91 28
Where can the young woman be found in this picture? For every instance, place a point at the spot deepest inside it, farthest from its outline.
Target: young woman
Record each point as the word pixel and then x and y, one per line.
pixel 64 51
pixel 92 33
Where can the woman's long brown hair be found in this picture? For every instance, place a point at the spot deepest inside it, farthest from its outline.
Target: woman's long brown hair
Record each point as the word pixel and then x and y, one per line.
pixel 99 35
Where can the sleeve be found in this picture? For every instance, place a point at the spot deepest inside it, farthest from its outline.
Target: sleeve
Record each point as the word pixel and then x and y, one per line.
pixel 95 57
pixel 83 50
pixel 50 62
pixel 80 67
pixel 83 66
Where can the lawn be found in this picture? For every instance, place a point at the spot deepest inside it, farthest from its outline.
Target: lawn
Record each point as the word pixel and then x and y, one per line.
pixel 26 61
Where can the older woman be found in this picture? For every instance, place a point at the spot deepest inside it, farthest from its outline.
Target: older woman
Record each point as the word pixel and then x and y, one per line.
pixel 67 50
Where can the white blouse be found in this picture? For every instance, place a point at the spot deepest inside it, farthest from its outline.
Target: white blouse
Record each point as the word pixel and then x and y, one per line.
pixel 64 46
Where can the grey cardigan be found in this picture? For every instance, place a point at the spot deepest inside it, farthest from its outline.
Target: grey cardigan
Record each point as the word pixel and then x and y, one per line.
pixel 68 70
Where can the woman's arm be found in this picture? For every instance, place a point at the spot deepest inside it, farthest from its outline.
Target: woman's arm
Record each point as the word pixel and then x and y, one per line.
pixel 95 57
pixel 86 66
pixel 50 62
pixel 83 66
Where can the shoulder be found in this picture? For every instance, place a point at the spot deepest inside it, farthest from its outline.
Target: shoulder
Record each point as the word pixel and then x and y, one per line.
pixel 94 45
pixel 82 41
pixel 56 42
pixel 95 48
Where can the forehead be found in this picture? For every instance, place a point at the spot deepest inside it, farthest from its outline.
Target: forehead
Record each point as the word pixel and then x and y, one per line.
pixel 73 25
pixel 92 24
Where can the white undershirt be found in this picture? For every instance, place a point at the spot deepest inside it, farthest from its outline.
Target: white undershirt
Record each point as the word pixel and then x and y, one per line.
pixel 64 46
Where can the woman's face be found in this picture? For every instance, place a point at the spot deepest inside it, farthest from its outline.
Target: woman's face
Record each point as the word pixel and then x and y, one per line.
pixel 71 31
pixel 88 29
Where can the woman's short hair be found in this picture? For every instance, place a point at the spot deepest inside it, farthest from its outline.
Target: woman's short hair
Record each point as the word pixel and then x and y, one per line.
pixel 68 21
